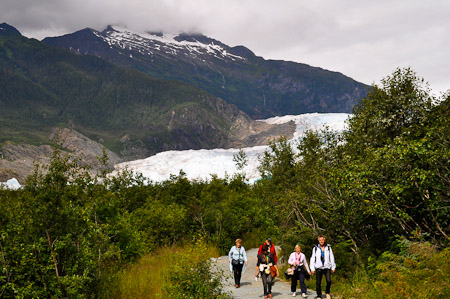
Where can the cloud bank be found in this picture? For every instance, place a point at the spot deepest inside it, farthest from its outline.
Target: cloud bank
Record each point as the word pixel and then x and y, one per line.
pixel 365 40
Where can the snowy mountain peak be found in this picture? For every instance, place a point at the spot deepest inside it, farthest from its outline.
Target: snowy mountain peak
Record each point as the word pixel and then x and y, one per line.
pixel 194 46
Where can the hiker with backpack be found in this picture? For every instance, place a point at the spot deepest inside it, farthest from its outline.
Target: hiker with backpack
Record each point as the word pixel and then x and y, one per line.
pixel 266 266
pixel 322 263
pixel 300 270
pixel 238 261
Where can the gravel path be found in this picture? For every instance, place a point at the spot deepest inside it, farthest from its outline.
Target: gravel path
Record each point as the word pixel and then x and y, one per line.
pixel 254 289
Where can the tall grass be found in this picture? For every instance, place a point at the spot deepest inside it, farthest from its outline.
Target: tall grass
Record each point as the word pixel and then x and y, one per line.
pixel 150 277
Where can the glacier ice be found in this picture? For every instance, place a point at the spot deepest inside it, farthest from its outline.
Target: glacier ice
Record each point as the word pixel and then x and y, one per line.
pixel 202 164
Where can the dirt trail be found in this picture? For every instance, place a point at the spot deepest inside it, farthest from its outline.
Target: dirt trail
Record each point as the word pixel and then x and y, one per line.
pixel 254 289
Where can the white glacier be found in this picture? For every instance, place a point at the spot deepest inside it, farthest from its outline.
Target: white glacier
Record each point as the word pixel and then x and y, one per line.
pixel 201 164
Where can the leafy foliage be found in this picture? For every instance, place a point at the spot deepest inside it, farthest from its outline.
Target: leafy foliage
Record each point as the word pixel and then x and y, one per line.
pixel 414 272
pixel 65 234
pixel 386 176
pixel 192 275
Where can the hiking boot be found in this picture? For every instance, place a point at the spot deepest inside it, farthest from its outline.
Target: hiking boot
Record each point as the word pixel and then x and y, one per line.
pixel 294 294
pixel 304 295
pixel 270 295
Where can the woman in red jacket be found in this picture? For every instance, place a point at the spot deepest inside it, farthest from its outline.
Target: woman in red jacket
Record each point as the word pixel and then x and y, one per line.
pixel 271 248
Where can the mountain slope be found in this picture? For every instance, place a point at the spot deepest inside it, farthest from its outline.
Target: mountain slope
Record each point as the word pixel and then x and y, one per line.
pixel 131 113
pixel 259 87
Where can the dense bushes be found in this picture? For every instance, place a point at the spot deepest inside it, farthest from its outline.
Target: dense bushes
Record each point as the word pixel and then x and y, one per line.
pixel 411 270
pixel 65 234
pixel 386 177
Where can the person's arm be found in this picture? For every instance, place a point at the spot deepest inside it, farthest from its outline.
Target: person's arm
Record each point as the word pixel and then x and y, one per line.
pixel 333 264
pixel 230 254
pixel 312 261
pixel 274 252
pixel 305 263
pixel 291 260
pixel 275 265
pixel 278 273
pixel 257 265
pixel 244 255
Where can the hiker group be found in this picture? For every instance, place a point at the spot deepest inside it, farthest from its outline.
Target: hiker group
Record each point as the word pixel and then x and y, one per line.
pixel 322 264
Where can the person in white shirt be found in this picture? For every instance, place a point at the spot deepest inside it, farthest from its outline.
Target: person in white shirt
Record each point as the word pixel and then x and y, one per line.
pixel 322 262
pixel 298 260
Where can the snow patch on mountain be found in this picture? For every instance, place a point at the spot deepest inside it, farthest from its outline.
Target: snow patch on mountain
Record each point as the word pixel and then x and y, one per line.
pixel 202 164
pixel 148 43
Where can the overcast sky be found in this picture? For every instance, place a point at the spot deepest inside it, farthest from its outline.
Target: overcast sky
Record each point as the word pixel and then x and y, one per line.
pixel 365 40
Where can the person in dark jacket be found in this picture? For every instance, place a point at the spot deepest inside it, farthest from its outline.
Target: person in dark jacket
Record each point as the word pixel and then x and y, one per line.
pixel 265 260
pixel 271 248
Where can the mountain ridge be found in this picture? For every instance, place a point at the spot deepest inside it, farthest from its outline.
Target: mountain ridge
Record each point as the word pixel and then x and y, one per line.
pixel 131 113
pixel 261 88
pixel 8 30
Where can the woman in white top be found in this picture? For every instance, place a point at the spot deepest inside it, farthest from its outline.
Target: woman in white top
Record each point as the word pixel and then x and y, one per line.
pixel 238 261
pixel 297 259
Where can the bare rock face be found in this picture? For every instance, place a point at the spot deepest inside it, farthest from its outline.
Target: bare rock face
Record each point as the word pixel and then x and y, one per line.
pixel 18 160
pixel 82 146
pixel 245 132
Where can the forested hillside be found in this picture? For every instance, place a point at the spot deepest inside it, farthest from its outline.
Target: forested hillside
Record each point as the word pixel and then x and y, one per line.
pixel 380 192
pixel 261 88
pixel 132 114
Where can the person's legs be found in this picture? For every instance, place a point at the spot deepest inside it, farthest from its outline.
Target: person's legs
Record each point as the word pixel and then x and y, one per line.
pixel 264 281
pixel 237 271
pixel 269 284
pixel 328 279
pixel 302 282
pixel 319 282
pixel 294 281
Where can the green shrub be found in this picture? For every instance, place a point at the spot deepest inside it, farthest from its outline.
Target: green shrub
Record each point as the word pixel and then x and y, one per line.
pixel 169 272
pixel 418 271
pixel 191 275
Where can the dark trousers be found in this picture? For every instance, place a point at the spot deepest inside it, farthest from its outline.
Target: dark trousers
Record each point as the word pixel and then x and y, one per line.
pixel 267 283
pixel 237 271
pixel 319 273
pixel 298 275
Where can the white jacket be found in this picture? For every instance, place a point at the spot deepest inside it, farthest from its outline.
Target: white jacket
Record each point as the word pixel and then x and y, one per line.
pixel 316 262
